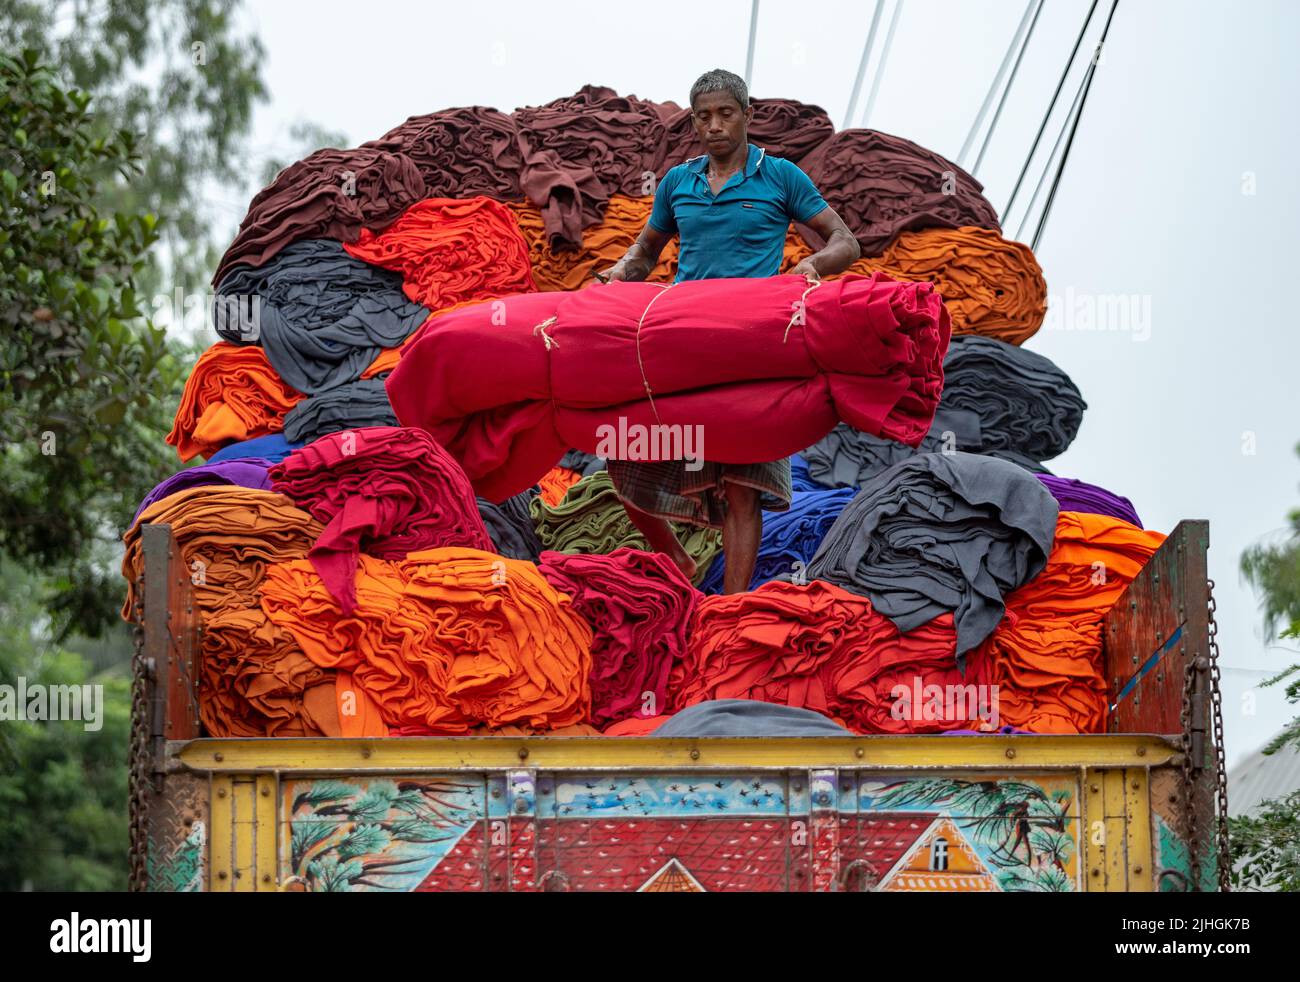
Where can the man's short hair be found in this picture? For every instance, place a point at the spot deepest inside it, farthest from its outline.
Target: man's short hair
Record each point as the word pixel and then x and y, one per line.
pixel 721 80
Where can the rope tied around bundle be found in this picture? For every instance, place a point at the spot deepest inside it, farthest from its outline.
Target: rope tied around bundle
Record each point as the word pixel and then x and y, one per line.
pixel 800 307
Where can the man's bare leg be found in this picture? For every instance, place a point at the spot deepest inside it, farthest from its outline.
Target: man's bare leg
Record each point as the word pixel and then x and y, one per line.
pixel 660 536
pixel 742 527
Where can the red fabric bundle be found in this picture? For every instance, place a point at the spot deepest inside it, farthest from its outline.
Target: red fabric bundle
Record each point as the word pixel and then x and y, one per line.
pixel 770 365
pixel 449 251
pixel 333 194
pixel 638 605
pixel 815 647
pixel 384 490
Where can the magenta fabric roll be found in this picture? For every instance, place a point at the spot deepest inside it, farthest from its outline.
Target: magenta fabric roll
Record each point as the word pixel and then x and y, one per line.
pixel 638 605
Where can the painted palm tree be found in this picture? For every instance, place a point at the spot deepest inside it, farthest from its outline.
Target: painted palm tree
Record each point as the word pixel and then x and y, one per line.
pixel 1020 824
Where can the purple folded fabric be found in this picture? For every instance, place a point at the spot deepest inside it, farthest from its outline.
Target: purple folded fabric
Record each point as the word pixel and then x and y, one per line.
pixel 1074 495
pixel 1000 731
pixel 247 472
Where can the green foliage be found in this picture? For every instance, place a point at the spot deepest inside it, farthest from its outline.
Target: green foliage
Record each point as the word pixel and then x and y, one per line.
pixel 85 378
pixel 62 788
pixel 1273 568
pixel 181 75
pixel 1266 846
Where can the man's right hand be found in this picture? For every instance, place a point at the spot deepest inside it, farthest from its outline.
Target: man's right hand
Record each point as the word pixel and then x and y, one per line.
pixel 614 272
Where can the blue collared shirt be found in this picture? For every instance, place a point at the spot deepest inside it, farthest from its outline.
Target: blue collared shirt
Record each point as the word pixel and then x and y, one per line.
pixel 740 231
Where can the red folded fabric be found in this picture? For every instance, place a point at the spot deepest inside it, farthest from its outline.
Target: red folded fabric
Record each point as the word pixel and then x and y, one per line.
pixel 449 251
pixel 764 367
pixel 816 647
pixel 384 490
pixel 333 194
pixel 638 605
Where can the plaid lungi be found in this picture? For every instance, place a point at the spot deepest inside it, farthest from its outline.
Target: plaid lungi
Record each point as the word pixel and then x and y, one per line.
pixel 667 489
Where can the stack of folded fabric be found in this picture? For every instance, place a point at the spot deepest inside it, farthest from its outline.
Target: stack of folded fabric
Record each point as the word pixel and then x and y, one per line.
pixel 382 490
pixel 253 680
pixel 555 484
pixel 321 316
pixel 580 150
pixel 232 394
pixel 883 185
pixel 351 405
pixel 991 286
pixel 638 605
pixel 333 194
pixel 1025 403
pixel 591 520
pixel 820 648
pixel 444 640
pixel 941 533
pixel 848 458
pixel 510 525
pixel 602 245
pixel 243 472
pixel 1074 495
pixel 460 152
pixel 450 250
pixel 790 538
pixel 273 447
pixel 1046 656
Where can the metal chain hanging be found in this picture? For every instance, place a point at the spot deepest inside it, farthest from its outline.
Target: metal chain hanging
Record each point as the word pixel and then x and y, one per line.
pixel 1221 771
pixel 139 777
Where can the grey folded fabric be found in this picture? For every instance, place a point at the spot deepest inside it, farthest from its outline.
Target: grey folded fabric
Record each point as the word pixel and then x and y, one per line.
pixel 747 718
pixel 321 316
pixel 510 525
pixel 584 463
pixel 344 407
pixel 941 532
pixel 848 458
pixel 1024 402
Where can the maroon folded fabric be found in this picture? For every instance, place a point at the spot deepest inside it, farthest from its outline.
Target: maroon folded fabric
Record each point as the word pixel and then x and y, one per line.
pixel 580 149
pixel 638 605
pixel 882 185
pixel 333 194
pixel 383 490
pixel 460 152
pixel 783 127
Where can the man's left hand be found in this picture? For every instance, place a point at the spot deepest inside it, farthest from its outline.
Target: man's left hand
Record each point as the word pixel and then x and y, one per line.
pixel 806 268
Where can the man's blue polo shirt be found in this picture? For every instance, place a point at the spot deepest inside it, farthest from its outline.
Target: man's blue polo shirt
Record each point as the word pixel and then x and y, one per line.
pixel 741 231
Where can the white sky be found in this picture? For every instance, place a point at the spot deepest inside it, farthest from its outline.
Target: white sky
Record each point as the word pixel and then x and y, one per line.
pixel 1195 417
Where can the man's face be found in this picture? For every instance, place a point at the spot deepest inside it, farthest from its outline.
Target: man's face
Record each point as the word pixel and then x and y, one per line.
pixel 720 123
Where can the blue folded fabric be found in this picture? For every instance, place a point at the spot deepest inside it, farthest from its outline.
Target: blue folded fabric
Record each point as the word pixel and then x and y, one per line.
pixel 273 447
pixel 789 537
pixel 800 479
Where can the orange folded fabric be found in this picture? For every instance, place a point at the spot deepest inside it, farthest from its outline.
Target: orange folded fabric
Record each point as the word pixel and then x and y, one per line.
pixel 602 245
pixel 254 679
pixel 991 286
pixel 555 484
pixel 449 251
pixel 232 394
pixel 445 640
pixel 1046 655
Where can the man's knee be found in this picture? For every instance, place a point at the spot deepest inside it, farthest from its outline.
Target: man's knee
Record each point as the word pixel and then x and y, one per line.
pixel 742 499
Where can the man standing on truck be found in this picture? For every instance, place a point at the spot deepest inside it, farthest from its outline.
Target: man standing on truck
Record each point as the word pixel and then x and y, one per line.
pixel 731 208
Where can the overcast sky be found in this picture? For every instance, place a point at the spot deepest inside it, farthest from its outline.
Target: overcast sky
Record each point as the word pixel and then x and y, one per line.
pixel 1180 196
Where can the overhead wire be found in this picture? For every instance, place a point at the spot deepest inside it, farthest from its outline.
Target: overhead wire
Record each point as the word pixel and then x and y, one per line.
pixel 880 65
pixel 1024 46
pixel 862 64
pixel 993 87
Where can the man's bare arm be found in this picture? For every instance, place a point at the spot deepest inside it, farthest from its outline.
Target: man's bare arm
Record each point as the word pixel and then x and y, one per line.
pixel 841 248
pixel 640 259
